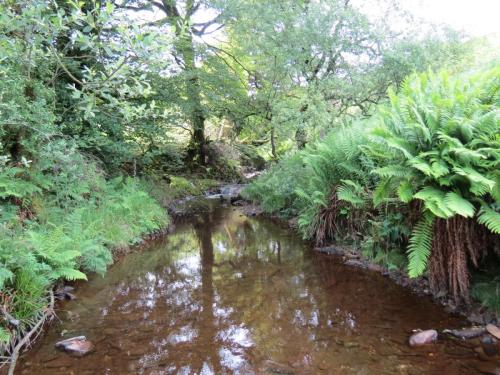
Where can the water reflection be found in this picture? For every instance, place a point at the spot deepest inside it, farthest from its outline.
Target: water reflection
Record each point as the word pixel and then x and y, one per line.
pixel 226 294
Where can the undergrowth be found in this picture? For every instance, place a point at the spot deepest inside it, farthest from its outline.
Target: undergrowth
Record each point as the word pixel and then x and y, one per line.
pixel 62 225
pixel 417 185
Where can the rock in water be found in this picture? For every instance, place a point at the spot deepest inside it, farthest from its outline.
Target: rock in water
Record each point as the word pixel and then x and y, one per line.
pixel 466 333
pixel 489 346
pixel 493 330
pixel 423 337
pixel 76 346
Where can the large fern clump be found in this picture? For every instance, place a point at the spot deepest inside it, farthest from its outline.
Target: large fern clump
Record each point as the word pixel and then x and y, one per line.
pixel 336 190
pixel 438 143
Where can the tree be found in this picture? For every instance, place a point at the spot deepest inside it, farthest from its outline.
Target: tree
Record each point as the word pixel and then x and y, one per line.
pixel 180 17
pixel 313 63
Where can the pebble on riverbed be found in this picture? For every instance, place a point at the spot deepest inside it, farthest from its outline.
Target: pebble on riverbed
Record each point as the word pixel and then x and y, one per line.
pixel 76 346
pixel 423 337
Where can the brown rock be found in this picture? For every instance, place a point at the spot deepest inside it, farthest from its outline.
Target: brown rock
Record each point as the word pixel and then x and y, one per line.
pixel 355 263
pixel 423 337
pixel 493 330
pixel 76 346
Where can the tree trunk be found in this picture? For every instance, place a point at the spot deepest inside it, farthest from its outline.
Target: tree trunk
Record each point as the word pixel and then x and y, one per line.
pixel 197 143
pixel 185 47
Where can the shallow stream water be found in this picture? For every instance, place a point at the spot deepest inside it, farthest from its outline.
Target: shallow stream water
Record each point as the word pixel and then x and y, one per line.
pixel 229 294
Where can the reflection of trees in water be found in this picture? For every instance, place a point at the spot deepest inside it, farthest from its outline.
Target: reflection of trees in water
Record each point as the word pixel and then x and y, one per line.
pixel 207 326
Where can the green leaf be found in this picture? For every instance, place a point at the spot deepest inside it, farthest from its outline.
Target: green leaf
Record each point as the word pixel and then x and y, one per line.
pixel 489 218
pixel 434 201
pixel 420 245
pixel 459 205
pixel 405 191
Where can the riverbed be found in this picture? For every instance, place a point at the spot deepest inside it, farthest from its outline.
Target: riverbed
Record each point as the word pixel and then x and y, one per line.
pixel 230 294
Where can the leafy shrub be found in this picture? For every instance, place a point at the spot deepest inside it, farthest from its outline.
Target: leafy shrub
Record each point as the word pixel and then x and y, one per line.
pixel 275 189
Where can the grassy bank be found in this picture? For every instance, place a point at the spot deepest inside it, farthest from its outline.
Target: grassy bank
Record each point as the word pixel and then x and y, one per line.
pixel 62 224
pixel 415 186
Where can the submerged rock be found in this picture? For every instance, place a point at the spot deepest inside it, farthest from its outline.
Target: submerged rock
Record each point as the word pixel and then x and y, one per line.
pixel 231 192
pixel 490 347
pixel 466 333
pixel 423 337
pixel 76 346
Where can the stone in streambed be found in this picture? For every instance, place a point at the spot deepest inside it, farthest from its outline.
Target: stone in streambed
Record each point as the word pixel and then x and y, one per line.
pixel 423 337
pixel 490 347
pixel 76 346
pixel 466 333
pixel 493 330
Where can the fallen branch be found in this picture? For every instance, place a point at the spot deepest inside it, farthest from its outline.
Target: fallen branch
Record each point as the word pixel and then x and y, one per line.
pixel 25 340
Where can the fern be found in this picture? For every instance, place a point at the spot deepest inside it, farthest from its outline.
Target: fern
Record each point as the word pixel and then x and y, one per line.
pixel 489 218
pixel 405 191
pixel 351 192
pixel 420 245
pixel 68 274
pixel 459 205
pixel 6 275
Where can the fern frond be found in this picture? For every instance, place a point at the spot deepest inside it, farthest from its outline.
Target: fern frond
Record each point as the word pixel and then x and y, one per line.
pixel 391 171
pixel 420 245
pixel 68 274
pixel 434 201
pixel 489 218
pixel 459 205
pixel 352 193
pixel 405 191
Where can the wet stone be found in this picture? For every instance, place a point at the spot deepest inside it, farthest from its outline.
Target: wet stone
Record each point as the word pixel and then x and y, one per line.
pixel 490 346
pixel 466 333
pixel 493 330
pixel 75 346
pixel 423 338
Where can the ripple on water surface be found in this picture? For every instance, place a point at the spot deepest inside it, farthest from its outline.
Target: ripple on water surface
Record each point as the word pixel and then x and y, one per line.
pixel 228 294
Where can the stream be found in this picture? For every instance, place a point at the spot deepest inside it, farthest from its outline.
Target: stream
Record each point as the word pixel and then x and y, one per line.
pixel 231 294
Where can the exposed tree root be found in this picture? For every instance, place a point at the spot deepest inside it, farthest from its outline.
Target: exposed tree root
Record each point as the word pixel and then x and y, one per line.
pixel 456 243
pixel 330 221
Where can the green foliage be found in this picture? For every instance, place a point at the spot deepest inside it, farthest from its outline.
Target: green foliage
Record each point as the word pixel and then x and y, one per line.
pixel 431 152
pixel 443 132
pixel 420 245
pixel 276 189
pixel 303 183
pixel 80 218
pixel 490 218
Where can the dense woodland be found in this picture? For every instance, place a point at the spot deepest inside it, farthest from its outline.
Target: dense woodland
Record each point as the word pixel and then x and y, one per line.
pixel 374 129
